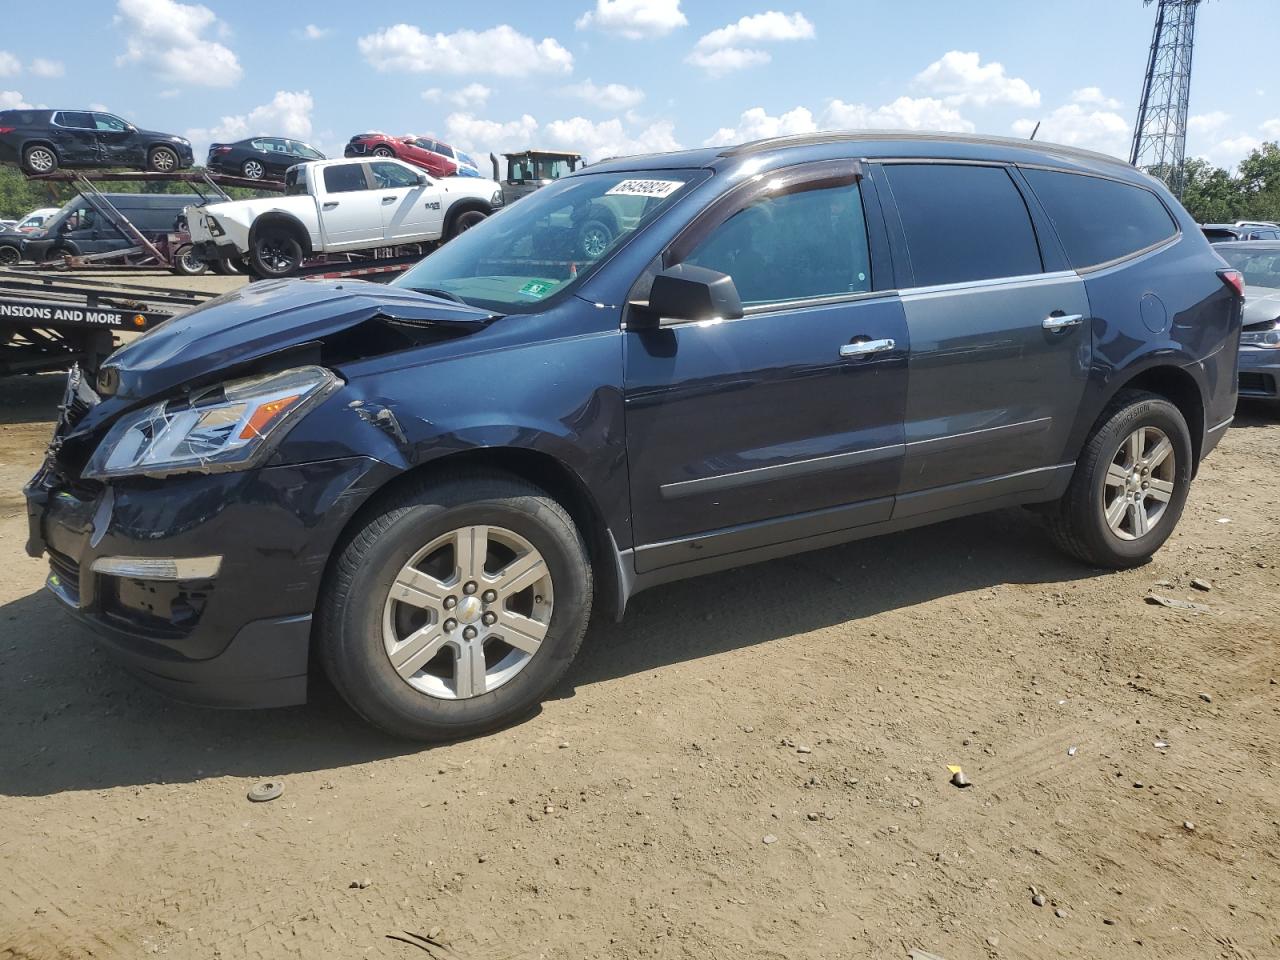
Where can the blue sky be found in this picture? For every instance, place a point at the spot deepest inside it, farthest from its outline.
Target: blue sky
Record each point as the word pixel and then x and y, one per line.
pixel 620 76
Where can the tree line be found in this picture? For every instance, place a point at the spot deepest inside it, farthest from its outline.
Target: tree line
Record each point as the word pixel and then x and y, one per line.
pixel 19 196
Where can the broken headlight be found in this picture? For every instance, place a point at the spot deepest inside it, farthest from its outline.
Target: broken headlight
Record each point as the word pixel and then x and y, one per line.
pixel 230 426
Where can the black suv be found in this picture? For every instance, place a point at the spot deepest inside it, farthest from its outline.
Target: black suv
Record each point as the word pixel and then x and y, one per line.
pixel 41 141
pixel 428 487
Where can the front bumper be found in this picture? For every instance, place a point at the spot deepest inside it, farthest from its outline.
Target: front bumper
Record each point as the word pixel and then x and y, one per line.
pixel 1259 373
pixel 238 639
pixel 208 250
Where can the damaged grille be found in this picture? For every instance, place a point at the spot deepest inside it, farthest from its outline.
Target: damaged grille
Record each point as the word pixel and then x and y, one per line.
pixel 64 576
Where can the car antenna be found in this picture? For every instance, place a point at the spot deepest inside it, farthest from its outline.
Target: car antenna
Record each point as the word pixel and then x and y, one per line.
pixel 1035 131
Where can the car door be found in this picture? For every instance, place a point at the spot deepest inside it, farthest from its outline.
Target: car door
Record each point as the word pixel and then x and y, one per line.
pixel 411 211
pixel 76 138
pixel 118 145
pixel 786 423
pixel 1000 334
pixel 350 210
pixel 277 156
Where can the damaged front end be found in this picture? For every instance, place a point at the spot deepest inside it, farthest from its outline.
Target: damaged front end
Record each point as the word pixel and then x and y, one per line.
pixel 176 526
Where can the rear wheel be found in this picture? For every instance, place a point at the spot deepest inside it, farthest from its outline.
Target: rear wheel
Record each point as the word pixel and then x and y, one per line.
pixel 228 268
pixel 383 152
pixel 253 169
pixel 187 264
pixel 9 256
pixel 594 239
pixel 39 159
pixel 1130 484
pixel 276 253
pixel 162 160
pixel 455 608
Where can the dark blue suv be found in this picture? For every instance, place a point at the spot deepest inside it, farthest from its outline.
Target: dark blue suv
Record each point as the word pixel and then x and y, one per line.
pixel 428 487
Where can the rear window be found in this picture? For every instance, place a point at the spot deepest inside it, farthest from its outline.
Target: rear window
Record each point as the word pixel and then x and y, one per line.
pixel 295 181
pixel 1100 220
pixel 19 118
pixel 345 178
pixel 963 223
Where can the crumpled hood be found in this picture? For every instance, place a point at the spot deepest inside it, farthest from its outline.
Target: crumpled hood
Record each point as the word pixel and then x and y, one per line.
pixel 261 319
pixel 1261 305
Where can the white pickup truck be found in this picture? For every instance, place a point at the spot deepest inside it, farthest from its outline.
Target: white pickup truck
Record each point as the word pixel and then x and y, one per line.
pixel 336 206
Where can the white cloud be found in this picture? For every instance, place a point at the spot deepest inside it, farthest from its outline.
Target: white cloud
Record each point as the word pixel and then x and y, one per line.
pixel 1206 124
pixel 502 51
pixel 169 37
pixel 1271 128
pixel 736 46
pixel 905 113
pixel 40 67
pixel 756 124
pixel 634 19
pixel 287 115
pixel 10 66
pixel 1078 126
pixel 100 107
pixel 1226 151
pixel 608 138
pixel 608 96
pixel 960 77
pixel 312 32
pixel 473 95
pixel 12 100
pixel 1093 96
pixel 719 62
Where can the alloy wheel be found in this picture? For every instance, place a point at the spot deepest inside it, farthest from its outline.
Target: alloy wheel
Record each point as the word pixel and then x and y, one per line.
pixel 254 170
pixel 9 256
pixel 1139 483
pixel 163 161
pixel 595 241
pixel 467 612
pixel 383 152
pixel 41 160
pixel 277 256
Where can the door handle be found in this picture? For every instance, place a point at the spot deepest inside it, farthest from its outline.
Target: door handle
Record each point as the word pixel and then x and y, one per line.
pixel 388 199
pixel 1062 323
pixel 330 205
pixel 864 347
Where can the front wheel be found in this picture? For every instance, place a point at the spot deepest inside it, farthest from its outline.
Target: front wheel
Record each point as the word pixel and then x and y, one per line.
pixel 9 256
pixel 276 253
pixel 456 607
pixel 594 239
pixel 162 160
pixel 187 264
pixel 383 152
pixel 465 221
pixel 1130 484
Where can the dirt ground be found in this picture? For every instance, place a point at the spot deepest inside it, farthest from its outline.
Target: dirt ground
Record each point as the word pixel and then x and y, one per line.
pixel 753 764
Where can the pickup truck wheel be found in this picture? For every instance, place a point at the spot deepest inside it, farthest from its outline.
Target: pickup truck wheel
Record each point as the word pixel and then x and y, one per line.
pixel 9 256
pixel 465 221
pixel 455 607
pixel 1129 486
pixel 162 160
pixel 187 264
pixel 229 268
pixel 39 159
pixel 594 239
pixel 276 253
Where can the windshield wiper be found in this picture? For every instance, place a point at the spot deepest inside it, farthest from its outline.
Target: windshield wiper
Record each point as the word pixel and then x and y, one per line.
pixel 442 294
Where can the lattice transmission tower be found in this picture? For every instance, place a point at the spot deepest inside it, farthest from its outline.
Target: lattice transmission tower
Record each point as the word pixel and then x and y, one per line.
pixel 1160 133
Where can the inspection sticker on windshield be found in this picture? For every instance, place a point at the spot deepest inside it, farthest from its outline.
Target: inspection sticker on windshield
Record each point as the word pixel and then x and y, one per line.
pixel 538 288
pixel 645 188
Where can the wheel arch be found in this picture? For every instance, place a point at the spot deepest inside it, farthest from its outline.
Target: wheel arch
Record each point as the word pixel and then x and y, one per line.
pixel 459 207
pixel 1176 385
pixel 545 470
pixel 278 218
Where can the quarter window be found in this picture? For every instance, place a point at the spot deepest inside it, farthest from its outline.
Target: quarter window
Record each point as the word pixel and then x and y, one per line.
pixel 796 246
pixel 345 178
pixel 963 222
pixel 1100 220
pixel 104 121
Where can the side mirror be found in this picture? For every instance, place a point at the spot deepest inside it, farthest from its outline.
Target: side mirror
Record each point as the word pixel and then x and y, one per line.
pixel 422 180
pixel 64 226
pixel 689 294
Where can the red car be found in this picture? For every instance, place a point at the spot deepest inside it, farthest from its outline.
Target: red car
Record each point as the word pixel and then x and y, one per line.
pixel 437 158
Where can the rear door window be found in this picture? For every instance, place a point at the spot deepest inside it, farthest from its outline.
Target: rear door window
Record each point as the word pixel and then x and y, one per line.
pixel 105 121
pixel 77 121
pixel 963 222
pixel 796 246
pixel 1100 220
pixel 345 178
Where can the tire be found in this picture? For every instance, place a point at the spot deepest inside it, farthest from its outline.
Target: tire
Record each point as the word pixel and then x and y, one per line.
pixel 464 222
pixel 187 264
pixel 9 256
pixel 253 169
pixel 228 268
pixel 276 252
pixel 594 238
pixel 360 622
pixel 162 160
pixel 383 152
pixel 39 158
pixel 1078 523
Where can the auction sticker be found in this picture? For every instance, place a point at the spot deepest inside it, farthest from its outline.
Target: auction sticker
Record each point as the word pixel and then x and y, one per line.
pixel 538 288
pixel 645 188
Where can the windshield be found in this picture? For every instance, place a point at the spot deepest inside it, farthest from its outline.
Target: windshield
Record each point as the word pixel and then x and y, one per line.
pixel 548 242
pixel 1261 268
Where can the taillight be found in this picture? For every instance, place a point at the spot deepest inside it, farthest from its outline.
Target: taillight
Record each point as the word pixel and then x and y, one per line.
pixel 1233 279
pixel 6 129
pixel 221 149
